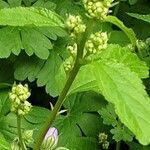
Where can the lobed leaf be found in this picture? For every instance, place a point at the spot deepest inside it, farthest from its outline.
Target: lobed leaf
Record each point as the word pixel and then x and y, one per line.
pixel 44 71
pixel 33 40
pixel 29 16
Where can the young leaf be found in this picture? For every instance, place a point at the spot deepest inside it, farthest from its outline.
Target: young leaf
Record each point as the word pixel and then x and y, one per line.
pixel 29 16
pixel 119 131
pixel 128 58
pixel 129 32
pixel 121 134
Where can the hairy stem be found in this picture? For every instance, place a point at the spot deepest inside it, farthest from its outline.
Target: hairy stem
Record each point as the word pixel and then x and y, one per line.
pixel 72 75
pixel 118 145
pixel 19 132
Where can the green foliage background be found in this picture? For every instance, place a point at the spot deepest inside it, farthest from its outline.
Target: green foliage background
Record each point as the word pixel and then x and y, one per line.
pixel 33 50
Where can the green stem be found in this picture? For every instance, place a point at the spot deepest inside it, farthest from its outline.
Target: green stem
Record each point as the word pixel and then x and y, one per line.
pixel 65 90
pixel 19 132
pixel 118 145
pixel 116 8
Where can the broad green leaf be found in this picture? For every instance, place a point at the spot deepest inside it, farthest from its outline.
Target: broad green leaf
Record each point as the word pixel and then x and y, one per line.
pixel 44 71
pixel 121 87
pixel 29 16
pixel 71 126
pixel 125 56
pixel 129 32
pixel 4 145
pixel 125 90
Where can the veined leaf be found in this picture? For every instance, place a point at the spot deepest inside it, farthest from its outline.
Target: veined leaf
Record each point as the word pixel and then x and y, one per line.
pixel 44 71
pixel 125 56
pixel 124 89
pixel 29 16
pixel 140 16
pixel 32 39
pixel 79 108
pixel 129 32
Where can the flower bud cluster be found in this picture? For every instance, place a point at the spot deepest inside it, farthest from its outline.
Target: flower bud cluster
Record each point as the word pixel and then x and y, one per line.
pixel 96 42
pixel 97 8
pixel 72 49
pixel 68 64
pixel 103 140
pixel 18 96
pixel 75 25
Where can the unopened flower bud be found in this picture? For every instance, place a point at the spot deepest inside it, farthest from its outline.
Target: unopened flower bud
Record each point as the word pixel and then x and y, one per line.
pixel 97 8
pixel 102 137
pixel 75 25
pixel 18 96
pixel 105 145
pixel 50 140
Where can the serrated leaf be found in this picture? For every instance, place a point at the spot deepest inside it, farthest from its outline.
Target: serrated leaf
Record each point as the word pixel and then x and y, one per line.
pixel 124 89
pixel 29 16
pixel 14 39
pixel 128 31
pixel 121 134
pixel 128 58
pixel 108 114
pixel 140 16
pixel 40 44
pixel 44 71
pixel 9 42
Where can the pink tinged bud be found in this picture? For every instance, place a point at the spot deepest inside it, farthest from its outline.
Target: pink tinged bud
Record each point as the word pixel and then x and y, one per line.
pixel 51 139
pixel 52 132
